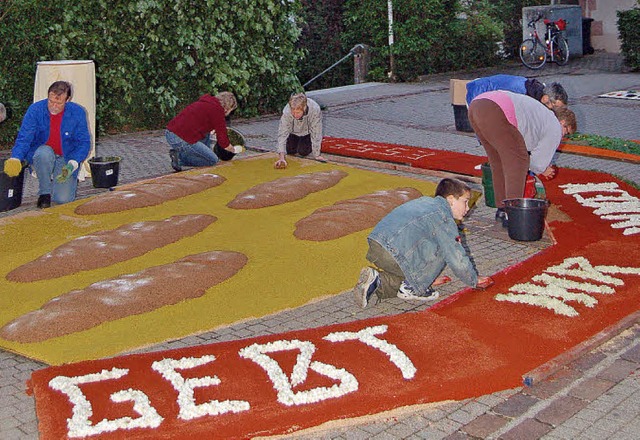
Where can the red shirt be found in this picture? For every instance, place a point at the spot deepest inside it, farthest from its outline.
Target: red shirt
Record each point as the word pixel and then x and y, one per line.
pixel 55 140
pixel 198 119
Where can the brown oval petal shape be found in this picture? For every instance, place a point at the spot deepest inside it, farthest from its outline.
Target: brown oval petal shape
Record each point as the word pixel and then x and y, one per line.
pixel 104 248
pixel 127 295
pixel 348 216
pixel 286 189
pixel 149 193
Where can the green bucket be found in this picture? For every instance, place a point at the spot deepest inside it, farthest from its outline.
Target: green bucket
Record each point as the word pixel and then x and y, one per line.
pixel 487 184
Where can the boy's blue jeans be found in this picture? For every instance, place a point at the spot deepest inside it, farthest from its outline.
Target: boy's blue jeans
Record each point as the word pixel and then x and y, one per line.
pixel 47 166
pixel 199 154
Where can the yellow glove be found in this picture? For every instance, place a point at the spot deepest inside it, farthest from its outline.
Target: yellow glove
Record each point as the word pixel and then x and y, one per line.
pixel 12 167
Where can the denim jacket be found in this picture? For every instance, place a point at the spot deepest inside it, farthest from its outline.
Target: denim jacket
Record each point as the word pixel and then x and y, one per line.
pixel 423 237
pixel 34 131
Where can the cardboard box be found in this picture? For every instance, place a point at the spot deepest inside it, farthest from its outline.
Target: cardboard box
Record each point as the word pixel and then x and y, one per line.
pixel 458 91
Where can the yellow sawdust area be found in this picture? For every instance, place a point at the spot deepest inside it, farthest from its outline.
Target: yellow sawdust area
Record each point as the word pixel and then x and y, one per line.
pixel 282 272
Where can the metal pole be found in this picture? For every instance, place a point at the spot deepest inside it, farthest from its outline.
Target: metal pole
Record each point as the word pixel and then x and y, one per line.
pixel 392 62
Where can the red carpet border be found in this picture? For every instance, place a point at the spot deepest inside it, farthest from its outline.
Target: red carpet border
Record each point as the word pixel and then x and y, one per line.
pixel 418 157
pixel 442 160
pixel 474 343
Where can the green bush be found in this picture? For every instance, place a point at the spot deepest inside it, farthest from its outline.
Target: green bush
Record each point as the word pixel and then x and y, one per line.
pixel 153 57
pixel 429 35
pixel 24 40
pixel 419 29
pixel 322 30
pixel 476 39
pixel 630 36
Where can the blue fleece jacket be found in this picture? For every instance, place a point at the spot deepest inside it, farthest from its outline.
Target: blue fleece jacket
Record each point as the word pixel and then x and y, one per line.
pixel 34 131
pixel 511 83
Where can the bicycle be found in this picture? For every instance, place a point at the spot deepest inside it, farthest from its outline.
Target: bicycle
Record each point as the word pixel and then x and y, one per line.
pixel 534 53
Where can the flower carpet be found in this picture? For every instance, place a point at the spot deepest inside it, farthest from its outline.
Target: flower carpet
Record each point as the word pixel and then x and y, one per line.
pixel 171 257
pixel 442 160
pixel 418 157
pixel 471 344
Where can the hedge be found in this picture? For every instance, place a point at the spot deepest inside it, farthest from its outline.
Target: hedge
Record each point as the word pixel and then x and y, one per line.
pixel 630 36
pixel 152 57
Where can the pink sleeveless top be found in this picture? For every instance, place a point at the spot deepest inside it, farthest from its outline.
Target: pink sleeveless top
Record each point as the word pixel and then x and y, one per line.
pixel 504 102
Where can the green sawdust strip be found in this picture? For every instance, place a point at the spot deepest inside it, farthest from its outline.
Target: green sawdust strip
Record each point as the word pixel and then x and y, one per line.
pixel 586 150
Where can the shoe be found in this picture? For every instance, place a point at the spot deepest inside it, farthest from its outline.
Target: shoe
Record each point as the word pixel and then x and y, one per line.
pixel 175 161
pixel 406 291
pixel 44 201
pixel 367 284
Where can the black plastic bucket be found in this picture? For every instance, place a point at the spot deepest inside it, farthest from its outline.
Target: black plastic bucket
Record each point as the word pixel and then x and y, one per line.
pixel 461 117
pixel 487 184
pixel 526 218
pixel 104 171
pixel 10 190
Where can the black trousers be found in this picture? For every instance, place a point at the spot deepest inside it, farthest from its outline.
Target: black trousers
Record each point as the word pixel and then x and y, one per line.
pixel 299 145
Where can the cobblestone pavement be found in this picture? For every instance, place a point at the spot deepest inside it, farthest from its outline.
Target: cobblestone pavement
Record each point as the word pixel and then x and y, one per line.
pixel 591 392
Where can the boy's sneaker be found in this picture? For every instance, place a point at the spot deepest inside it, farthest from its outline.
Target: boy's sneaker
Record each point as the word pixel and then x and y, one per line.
pixel 367 283
pixel 406 291
pixel 175 162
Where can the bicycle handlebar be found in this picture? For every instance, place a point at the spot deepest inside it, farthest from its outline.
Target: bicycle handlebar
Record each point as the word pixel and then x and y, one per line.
pixel 535 20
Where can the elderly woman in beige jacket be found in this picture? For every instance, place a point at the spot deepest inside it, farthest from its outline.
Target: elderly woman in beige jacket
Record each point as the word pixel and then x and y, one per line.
pixel 300 130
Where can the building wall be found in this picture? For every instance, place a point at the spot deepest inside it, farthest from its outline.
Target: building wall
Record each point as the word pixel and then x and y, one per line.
pixel 604 28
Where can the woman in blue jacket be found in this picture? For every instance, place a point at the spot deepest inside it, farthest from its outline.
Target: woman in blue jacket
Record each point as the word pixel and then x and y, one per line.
pixel 53 139
pixel 552 95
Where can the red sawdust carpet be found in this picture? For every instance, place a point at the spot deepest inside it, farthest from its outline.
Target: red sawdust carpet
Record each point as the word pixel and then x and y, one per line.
pixel 418 157
pixel 474 343
pixel 442 160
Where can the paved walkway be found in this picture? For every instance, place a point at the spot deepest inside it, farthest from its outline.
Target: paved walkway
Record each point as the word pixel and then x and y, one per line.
pixel 591 392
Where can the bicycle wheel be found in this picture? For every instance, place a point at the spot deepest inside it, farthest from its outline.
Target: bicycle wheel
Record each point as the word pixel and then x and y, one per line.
pixel 532 54
pixel 560 50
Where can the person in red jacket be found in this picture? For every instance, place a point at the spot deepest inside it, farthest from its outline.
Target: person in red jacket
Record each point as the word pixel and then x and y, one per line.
pixel 189 133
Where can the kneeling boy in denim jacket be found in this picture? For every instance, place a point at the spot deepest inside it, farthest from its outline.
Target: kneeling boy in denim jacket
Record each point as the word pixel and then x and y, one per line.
pixel 411 246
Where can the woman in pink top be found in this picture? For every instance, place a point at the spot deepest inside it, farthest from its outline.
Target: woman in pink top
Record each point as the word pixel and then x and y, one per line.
pixel 519 134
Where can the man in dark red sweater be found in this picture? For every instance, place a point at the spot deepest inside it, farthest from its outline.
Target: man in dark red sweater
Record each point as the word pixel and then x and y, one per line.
pixel 189 133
